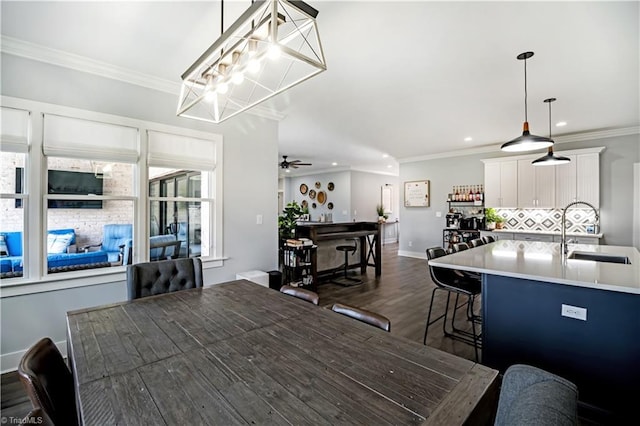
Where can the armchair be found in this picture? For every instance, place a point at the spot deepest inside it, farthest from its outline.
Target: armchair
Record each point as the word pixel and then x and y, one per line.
pixel 117 240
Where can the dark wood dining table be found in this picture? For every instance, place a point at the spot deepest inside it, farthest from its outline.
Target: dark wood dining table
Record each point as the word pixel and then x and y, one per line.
pixel 239 353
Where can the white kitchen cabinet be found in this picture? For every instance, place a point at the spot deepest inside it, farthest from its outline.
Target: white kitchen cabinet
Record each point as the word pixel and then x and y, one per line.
pixel 588 178
pixel 533 237
pixel 497 235
pixel 578 180
pixel 566 182
pixel 501 184
pixel 536 185
pixel 594 241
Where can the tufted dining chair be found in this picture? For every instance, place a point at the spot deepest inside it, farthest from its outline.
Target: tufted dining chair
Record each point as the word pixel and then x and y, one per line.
pixel 165 276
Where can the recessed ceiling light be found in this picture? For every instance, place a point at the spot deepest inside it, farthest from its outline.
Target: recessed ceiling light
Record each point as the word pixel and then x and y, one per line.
pixel 334 164
pixel 385 155
pixel 287 171
pixel 468 139
pixel 389 166
pixel 561 123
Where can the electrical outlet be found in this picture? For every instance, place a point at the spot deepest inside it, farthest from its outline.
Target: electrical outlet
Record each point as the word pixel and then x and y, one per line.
pixel 259 219
pixel 574 312
pixel 410 243
pixel 438 214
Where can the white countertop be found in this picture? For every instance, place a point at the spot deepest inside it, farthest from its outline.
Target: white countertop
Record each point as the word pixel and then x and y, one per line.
pixel 527 231
pixel 542 261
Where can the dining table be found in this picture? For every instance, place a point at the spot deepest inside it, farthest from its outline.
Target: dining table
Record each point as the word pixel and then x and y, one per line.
pixel 239 353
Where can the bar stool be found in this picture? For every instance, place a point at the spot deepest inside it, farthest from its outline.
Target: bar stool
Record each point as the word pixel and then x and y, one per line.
pixel 346 249
pixel 476 243
pixel 488 239
pixel 452 282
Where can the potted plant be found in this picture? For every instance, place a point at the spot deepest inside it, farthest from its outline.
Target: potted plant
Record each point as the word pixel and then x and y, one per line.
pixel 287 220
pixel 382 217
pixel 493 219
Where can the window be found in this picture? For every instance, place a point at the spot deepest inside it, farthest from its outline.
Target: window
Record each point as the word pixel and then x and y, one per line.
pixel 12 241
pixel 13 197
pixel 90 197
pixel 74 201
pixel 181 196
pixel 90 214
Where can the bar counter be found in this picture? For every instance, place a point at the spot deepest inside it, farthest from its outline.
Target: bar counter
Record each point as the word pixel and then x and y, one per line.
pixel 327 236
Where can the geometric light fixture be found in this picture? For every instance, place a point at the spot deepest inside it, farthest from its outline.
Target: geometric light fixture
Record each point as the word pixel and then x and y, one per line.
pixel 273 46
pixel 526 142
pixel 550 159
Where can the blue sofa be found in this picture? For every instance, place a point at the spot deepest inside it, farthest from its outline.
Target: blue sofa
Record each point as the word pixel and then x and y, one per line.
pixel 13 262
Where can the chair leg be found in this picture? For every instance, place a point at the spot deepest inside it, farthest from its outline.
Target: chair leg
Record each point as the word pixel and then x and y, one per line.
pixel 429 322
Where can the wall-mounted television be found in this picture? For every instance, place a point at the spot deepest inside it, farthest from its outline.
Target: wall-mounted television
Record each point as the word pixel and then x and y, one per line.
pixel 67 183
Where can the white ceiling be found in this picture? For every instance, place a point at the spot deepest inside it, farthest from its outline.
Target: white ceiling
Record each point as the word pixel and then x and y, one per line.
pixel 407 79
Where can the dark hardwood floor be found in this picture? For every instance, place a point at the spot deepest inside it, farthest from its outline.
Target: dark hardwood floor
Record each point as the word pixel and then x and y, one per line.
pixel 402 294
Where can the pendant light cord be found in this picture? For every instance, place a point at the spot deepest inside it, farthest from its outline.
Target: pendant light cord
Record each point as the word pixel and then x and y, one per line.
pixel 549 119
pixel 525 90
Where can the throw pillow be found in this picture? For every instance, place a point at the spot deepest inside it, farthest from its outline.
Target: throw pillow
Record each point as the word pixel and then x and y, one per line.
pixel 4 250
pixel 58 243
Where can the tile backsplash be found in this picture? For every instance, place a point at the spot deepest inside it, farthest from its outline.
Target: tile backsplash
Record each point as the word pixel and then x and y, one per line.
pixel 547 219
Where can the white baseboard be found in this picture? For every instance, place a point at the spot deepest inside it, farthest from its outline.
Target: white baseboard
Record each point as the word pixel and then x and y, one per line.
pixel 9 362
pixel 416 254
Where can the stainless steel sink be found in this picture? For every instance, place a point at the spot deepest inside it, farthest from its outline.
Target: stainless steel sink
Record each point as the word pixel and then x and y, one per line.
pixel 599 257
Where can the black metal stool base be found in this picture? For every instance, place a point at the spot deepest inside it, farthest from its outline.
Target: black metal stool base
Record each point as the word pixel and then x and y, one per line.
pixel 346 280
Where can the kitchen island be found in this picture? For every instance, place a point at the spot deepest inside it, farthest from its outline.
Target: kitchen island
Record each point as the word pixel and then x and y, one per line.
pixel 576 318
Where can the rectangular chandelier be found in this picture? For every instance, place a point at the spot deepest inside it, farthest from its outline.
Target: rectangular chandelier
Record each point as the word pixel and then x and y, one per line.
pixel 272 47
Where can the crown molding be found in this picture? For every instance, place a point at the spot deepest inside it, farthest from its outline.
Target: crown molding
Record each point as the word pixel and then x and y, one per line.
pixel 575 137
pixel 37 52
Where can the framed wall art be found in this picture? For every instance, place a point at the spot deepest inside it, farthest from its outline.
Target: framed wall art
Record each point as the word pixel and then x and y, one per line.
pixel 416 193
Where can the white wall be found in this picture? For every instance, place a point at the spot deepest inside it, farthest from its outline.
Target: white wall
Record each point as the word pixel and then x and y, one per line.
pixel 250 182
pixel 354 191
pixel 422 229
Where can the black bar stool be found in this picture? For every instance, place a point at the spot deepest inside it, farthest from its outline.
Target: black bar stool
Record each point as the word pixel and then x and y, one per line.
pixel 346 280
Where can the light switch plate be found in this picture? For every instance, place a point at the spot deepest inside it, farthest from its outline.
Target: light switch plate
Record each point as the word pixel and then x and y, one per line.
pixel 574 312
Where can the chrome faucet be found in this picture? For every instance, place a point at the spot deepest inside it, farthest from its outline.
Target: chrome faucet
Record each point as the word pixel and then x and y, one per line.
pixel 563 243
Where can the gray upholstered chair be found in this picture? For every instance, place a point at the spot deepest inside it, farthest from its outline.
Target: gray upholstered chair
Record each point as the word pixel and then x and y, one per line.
pixel 37 416
pixel 363 315
pixel 165 276
pixel 301 293
pixel 531 396
pixel 49 382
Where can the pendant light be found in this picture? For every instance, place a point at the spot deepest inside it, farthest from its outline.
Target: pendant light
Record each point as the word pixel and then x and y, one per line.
pixel 526 142
pixel 550 159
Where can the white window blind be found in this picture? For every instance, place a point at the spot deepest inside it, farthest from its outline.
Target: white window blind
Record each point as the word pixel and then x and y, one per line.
pixel 15 130
pixel 78 138
pixel 170 150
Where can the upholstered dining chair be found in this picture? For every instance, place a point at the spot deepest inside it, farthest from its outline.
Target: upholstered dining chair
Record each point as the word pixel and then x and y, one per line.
pixel 48 382
pixel 454 282
pixel 165 276
pixel 301 293
pixel 532 396
pixel 460 247
pixel 363 315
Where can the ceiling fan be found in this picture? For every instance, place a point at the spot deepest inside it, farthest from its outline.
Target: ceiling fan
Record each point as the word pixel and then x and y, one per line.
pixel 293 164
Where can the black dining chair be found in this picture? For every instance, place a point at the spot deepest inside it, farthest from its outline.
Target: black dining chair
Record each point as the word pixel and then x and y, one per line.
pixel 477 242
pixel 453 282
pixel 363 315
pixel 301 293
pixel 460 247
pixel 488 239
pixel 164 276
pixel 48 382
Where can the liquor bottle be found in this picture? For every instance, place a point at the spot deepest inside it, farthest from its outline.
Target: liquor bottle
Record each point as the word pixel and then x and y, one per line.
pixel 481 193
pixel 477 194
pixel 470 196
pixel 456 197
